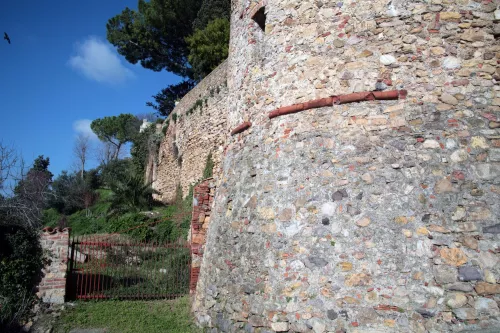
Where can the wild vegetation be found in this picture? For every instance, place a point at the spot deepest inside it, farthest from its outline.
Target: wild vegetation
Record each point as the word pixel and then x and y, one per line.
pixel 22 199
pixel 110 198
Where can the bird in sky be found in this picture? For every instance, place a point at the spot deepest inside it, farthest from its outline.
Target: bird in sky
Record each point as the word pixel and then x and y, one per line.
pixel 6 37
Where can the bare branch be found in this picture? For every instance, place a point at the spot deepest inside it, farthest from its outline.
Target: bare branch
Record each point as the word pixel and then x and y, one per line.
pixel 24 194
pixel 81 150
pixel 8 163
pixel 106 152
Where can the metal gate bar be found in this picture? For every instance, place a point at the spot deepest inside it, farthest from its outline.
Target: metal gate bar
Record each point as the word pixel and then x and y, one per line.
pixel 126 269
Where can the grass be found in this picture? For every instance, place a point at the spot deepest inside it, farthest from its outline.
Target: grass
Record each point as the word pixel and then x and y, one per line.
pixel 129 316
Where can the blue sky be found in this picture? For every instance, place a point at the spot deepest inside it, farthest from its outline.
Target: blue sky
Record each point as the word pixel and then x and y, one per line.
pixel 60 73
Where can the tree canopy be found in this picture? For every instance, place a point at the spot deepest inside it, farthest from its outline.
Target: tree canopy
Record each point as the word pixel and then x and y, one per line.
pixel 116 130
pixel 165 99
pixel 211 10
pixel 155 33
pixel 209 47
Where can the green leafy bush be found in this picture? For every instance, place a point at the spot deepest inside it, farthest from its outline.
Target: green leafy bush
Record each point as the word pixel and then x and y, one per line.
pixel 51 217
pixel 208 47
pixel 209 167
pixel 128 221
pixel 81 224
pixel 117 169
pixel 21 261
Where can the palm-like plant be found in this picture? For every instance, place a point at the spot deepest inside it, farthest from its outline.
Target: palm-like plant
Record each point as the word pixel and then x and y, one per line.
pixel 130 194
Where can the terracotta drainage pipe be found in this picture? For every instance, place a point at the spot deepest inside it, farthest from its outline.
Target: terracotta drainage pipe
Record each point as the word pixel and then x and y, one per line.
pixel 355 97
pixel 242 127
pixel 342 99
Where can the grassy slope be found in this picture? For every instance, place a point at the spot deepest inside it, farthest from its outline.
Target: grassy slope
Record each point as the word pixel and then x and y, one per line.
pixel 178 214
pixel 129 316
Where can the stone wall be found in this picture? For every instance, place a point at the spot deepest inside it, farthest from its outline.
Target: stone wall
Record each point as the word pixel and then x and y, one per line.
pixel 200 128
pixel 52 288
pixel 203 200
pixel 371 216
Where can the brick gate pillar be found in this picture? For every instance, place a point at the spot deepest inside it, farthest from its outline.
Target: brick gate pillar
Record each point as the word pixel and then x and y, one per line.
pixel 55 242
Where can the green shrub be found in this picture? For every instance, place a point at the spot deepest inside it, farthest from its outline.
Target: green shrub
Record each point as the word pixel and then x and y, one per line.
pixel 50 217
pixel 21 261
pixel 209 167
pixel 127 221
pixel 81 224
pixel 167 231
pixel 117 169
pixel 174 117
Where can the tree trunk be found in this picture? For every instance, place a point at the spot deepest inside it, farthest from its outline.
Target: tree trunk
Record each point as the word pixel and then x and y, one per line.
pixel 117 152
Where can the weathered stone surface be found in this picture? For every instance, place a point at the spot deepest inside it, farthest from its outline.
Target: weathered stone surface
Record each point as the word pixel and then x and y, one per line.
pixel 465 313
pixel 459 214
pixel 451 63
pixel 197 131
pixel 488 171
pixel 363 222
pixel 494 229
pixel 483 288
pixel 486 306
pixel 431 144
pixel 453 256
pixel 448 99
pixel 280 327
pixel 52 287
pixel 318 325
pixel 317 261
pixel 332 314
pixel 470 242
pixel 447 16
pixel 387 59
pixel 445 274
pixel 456 300
pixel 360 279
pixel 469 273
pixel 459 286
pixel 444 185
pixel 422 168
pixel 459 156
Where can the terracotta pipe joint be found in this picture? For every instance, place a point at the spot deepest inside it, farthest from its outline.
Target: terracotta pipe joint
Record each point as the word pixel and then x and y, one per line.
pixel 286 110
pixel 318 103
pixel 356 97
pixel 386 95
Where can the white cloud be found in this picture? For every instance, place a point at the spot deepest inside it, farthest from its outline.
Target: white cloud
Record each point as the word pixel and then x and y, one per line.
pixel 98 61
pixel 82 126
